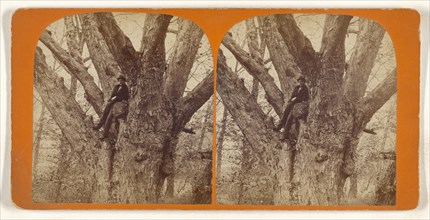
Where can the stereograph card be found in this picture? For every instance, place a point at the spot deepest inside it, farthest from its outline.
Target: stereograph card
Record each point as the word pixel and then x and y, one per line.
pixel 215 109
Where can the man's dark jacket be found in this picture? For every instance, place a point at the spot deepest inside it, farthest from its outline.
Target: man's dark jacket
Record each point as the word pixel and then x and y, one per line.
pixel 120 92
pixel 300 94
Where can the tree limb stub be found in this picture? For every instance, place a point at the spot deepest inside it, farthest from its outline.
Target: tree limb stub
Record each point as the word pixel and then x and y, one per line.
pixel 94 94
pixel 257 70
pixel 190 103
pixel 371 103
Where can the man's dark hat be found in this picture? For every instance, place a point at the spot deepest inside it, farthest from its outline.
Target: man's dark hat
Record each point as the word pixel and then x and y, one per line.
pixel 301 78
pixel 121 77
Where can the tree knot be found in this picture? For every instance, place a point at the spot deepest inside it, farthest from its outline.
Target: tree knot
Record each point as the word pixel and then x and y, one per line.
pixel 321 157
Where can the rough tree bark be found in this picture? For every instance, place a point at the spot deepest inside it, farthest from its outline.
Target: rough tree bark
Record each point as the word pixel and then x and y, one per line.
pixel 253 174
pixel 103 60
pixel 251 120
pixel 76 67
pixel 281 59
pixel 71 120
pixel 144 157
pixel 257 70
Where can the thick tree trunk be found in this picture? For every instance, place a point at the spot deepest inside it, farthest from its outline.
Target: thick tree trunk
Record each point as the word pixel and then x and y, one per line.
pixel 170 188
pixel 281 59
pixel 252 121
pixel 102 58
pixel 76 129
pixel 253 176
pixel 148 131
pixel 320 169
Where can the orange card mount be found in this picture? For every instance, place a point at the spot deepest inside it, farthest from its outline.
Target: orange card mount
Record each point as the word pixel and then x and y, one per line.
pixel 183 109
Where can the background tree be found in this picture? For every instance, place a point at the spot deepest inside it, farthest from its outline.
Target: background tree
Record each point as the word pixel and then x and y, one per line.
pixel 170 77
pixel 343 100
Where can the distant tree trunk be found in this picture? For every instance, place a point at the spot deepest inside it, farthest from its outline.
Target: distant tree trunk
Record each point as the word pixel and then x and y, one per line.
pixel 353 191
pixel 206 125
pixel 202 182
pixel 220 142
pixel 202 190
pixel 170 189
pixel 37 140
pixel 386 188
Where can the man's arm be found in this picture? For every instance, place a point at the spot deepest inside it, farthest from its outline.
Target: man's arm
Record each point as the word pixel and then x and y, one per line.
pixel 122 93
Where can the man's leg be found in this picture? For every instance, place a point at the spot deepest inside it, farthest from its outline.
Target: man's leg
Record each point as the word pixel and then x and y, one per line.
pixel 288 126
pixel 104 116
pixel 284 117
pixel 107 125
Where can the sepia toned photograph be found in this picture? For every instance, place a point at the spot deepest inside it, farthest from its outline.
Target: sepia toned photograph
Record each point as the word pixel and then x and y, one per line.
pixel 122 111
pixel 306 112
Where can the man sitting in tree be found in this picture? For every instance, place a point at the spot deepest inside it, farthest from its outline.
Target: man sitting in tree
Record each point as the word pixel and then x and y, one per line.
pixel 300 95
pixel 119 94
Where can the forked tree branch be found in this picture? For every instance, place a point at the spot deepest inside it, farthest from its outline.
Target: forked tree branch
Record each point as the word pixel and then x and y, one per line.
pixel 93 93
pixel 119 45
pixel 273 94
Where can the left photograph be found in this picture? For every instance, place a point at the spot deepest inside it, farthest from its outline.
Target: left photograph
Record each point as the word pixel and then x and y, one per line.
pixel 122 111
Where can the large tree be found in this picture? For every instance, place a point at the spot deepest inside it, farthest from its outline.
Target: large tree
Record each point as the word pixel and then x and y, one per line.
pixel 133 168
pixel 314 171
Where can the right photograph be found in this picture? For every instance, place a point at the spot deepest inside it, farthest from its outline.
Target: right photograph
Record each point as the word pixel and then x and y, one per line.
pixel 306 112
